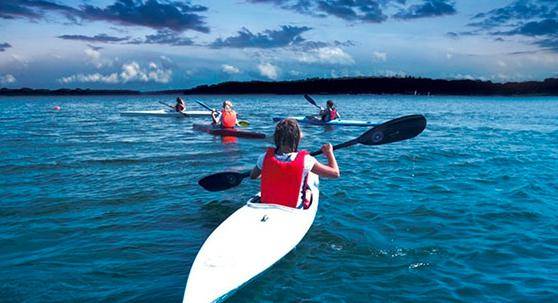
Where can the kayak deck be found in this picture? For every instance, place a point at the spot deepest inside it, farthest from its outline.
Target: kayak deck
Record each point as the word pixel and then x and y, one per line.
pixel 167 113
pixel 247 243
pixel 233 132
pixel 315 121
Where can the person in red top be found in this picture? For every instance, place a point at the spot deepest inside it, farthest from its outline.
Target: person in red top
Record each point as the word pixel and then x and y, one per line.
pixel 284 169
pixel 180 105
pixel 226 118
pixel 330 113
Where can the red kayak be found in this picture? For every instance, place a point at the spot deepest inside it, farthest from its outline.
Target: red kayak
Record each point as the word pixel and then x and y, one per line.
pixel 233 132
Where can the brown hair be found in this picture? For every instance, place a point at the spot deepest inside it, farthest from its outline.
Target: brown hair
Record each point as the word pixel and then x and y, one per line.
pixel 287 135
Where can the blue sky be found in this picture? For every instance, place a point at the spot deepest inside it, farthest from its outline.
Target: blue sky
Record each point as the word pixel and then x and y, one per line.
pixel 156 44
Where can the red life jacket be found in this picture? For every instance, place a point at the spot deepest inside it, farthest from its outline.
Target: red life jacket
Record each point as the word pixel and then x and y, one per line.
pixel 179 107
pixel 281 181
pixel 228 119
pixel 332 114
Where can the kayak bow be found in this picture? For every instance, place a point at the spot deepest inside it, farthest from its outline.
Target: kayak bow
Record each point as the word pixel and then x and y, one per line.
pixel 246 244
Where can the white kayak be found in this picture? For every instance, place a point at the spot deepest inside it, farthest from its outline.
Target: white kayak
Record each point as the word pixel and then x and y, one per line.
pixel 167 113
pixel 316 121
pixel 246 244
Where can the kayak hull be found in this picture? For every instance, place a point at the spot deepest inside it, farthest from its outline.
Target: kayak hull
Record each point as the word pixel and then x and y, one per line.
pixel 166 113
pixel 245 245
pixel 226 132
pixel 340 122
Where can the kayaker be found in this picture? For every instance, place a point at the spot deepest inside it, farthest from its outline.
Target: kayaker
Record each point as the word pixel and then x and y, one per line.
pixel 180 105
pixel 330 112
pixel 284 169
pixel 226 117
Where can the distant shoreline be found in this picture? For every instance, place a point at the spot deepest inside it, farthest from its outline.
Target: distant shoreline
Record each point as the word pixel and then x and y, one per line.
pixel 332 86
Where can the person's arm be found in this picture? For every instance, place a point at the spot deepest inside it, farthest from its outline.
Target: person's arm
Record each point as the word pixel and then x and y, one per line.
pixel 331 170
pixel 255 173
pixel 215 117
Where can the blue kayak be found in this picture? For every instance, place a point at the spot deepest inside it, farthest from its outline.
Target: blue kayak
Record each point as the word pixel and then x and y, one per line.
pixel 317 121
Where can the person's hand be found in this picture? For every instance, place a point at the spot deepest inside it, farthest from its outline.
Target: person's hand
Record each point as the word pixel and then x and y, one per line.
pixel 327 149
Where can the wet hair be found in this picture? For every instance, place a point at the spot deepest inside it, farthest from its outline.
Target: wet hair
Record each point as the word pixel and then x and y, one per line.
pixel 227 105
pixel 287 135
pixel 330 103
pixel 179 99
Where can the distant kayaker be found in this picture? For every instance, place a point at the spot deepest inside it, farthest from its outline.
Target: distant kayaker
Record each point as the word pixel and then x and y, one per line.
pixel 330 112
pixel 226 117
pixel 180 105
pixel 284 169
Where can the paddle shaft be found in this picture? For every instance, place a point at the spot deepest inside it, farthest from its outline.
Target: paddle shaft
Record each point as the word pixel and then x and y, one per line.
pixel 312 101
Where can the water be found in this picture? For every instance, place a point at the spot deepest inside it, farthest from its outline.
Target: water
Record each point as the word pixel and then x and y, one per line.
pixel 99 207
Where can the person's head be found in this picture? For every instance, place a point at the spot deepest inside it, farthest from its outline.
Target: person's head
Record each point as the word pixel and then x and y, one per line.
pixel 287 135
pixel 227 105
pixel 330 103
pixel 179 100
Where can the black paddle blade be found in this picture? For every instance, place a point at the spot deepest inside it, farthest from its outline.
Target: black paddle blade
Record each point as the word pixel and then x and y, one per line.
pixel 222 181
pixel 309 99
pixel 399 129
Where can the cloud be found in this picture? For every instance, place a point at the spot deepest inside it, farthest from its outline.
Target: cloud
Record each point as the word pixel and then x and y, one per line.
pixel 534 28
pixel 90 78
pixel 428 8
pixel 172 15
pixel 268 70
pixel 327 55
pixel 285 36
pixel 33 9
pixel 7 79
pixel 177 16
pixel 93 47
pixel 165 37
pixel 130 72
pixel 350 10
pixel 379 56
pixel 4 46
pixel 519 10
pixel 92 54
pixel 100 38
pixel 452 35
pixel 535 19
pixel 230 69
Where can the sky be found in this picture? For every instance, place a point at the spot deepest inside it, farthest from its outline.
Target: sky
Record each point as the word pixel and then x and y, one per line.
pixel 168 44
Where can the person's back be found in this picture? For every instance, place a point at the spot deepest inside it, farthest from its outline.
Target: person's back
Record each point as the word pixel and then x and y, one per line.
pixel 227 117
pixel 180 105
pixel 284 169
pixel 330 113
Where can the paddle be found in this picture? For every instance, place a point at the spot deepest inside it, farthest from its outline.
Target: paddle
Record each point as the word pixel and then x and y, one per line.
pixel 399 129
pixel 185 115
pixel 242 123
pixel 312 101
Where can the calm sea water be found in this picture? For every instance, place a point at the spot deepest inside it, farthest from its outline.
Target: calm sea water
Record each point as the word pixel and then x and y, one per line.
pixel 99 207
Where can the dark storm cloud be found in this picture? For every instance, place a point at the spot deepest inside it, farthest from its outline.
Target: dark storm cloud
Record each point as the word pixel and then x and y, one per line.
pixel 100 38
pixel 534 28
pixel 165 37
pixel 158 14
pixel 426 9
pixel 371 11
pixel 286 36
pixel 177 16
pixel 517 11
pixel 351 10
pixel 529 18
pixel 549 44
pixel 4 46
pixel 33 9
